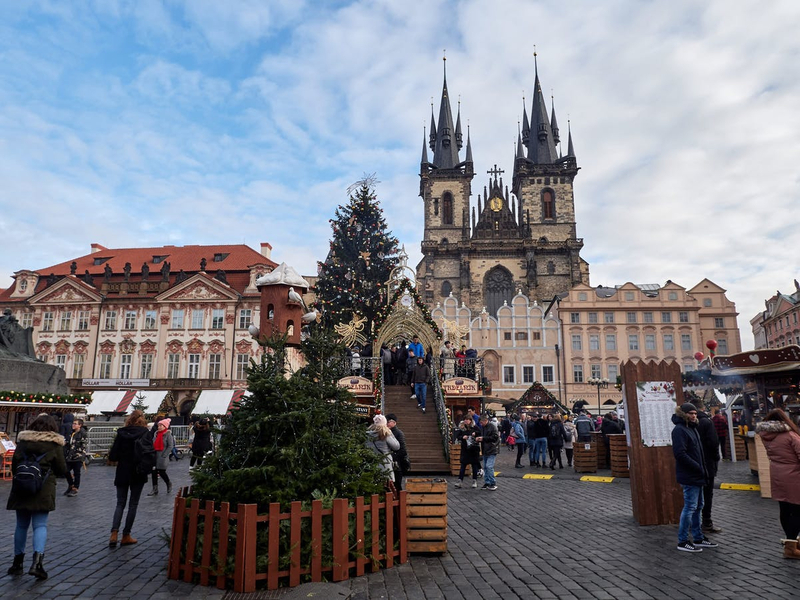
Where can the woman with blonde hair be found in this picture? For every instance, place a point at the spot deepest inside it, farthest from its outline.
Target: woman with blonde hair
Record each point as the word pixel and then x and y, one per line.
pixel 128 477
pixel 381 441
pixel 781 439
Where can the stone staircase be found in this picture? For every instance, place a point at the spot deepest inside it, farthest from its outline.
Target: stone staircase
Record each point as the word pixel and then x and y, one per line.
pixel 423 440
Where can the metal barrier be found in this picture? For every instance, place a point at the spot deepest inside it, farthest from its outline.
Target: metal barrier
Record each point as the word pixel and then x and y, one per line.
pixel 181 435
pixel 100 439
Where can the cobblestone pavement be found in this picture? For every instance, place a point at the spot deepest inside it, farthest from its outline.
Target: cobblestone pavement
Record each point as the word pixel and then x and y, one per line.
pixel 558 538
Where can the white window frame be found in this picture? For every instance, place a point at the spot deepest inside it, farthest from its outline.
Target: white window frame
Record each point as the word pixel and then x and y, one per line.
pixel 596 370
pixel 574 317
pixel 146 366
pixel 84 318
pixel 608 317
pixel 125 365
pixel 719 322
pixel 173 365
pixel 722 346
pixel 110 322
pixel 512 370
pixel 552 372
pixel 633 342
pixel 218 318
pixel 666 316
pixel 612 338
pixel 531 375
pixel 649 341
pixel 193 366
pixel 61 361
pixel 245 317
pixel 150 320
pixel 594 341
pixel 47 320
pixel 129 324
pixel 106 361
pixel 668 347
pixel 78 362
pixel 176 322
pixel 613 373
pixel 65 321
pixel 198 318
pixel 686 341
pixel 577 341
pixel 683 316
pixel 631 316
pixel 26 320
pixel 592 317
pixel 577 373
pixel 215 366
pixel 242 363
pixel 647 316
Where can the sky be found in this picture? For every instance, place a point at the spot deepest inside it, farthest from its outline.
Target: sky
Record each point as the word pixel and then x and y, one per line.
pixel 143 123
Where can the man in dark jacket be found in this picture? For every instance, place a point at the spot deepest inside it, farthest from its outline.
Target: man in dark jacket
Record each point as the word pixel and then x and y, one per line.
pixel 490 443
pixel 708 437
pixel 541 431
pixel 420 377
pixel 400 457
pixel 584 427
pixel 690 471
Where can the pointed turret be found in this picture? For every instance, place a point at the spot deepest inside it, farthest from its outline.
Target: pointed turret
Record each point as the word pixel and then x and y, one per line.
pixel 520 152
pixel 526 129
pixel 570 148
pixel 541 144
pixel 445 151
pixel 424 159
pixel 553 122
pixel 458 127
pixel 469 148
pixel 432 137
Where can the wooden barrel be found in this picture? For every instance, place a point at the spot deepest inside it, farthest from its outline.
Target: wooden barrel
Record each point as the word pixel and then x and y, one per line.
pixel 600 444
pixel 619 455
pixel 741 451
pixel 584 458
pixel 426 512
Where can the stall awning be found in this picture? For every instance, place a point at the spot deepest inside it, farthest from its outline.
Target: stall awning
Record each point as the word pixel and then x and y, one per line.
pixel 107 401
pixel 150 398
pixel 216 402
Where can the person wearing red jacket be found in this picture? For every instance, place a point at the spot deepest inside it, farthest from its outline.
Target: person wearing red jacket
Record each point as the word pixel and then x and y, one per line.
pixel 721 427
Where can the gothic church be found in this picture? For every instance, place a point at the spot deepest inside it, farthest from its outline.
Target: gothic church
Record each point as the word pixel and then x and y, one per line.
pixel 520 241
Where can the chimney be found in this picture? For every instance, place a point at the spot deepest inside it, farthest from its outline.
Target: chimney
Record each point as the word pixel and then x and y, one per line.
pixel 266 249
pixel 97 248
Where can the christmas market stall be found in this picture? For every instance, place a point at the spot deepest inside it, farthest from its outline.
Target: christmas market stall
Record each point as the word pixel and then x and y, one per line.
pixel 17 409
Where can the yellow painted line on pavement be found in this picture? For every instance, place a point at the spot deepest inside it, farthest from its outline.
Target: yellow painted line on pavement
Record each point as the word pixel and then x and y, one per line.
pixel 497 472
pixel 750 487
pixel 597 479
pixel 534 476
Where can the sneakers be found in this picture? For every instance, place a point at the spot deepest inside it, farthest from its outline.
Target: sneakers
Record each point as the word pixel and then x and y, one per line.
pixel 705 543
pixel 688 547
pixel 485 486
pixel 423 411
pixel 492 488
pixel 72 492
pixel 474 483
pixel 414 397
pixel 518 466
pixel 457 484
pixel 710 528
pixel 419 405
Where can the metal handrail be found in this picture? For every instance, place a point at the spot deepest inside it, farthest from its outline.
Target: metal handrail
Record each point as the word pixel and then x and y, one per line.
pixel 441 410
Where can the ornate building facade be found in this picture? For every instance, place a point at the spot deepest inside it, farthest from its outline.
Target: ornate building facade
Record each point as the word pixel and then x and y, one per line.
pixel 173 319
pixel 508 242
pixel 779 324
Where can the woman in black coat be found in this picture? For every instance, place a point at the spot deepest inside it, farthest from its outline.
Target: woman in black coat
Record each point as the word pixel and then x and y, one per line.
pixel 127 478
pixel 202 441
pixel 41 439
pixel 75 452
pixel 555 440
pixel 466 434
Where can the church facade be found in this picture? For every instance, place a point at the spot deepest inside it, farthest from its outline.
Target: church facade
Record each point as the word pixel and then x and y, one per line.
pixel 523 240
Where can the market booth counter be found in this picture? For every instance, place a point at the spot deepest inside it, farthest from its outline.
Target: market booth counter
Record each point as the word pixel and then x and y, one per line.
pixel 18 409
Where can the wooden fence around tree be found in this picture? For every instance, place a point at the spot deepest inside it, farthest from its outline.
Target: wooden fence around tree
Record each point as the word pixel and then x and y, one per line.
pixel 213 545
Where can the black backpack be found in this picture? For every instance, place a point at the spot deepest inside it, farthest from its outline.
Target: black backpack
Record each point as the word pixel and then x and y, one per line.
pixel 29 476
pixel 144 454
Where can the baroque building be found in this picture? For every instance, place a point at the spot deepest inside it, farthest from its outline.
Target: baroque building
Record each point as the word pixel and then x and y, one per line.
pixel 522 240
pixel 779 324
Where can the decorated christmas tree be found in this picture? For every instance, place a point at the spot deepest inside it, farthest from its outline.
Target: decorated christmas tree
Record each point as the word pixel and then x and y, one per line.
pixel 361 257
pixel 292 437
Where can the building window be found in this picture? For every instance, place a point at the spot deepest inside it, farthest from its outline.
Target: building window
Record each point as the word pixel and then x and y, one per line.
pixel 611 341
pixel 719 322
pixel 633 342
pixel 608 317
pixel 447 289
pixel 77 365
pixel 447 209
pixel 149 319
pixel 125 361
pixel 147 366
pixel 575 317
pixel 629 297
pixel 245 316
pixel 666 317
pixel 576 342
pixel 83 320
pixel 218 318
pixel 521 336
pixel 194 366
pixel 509 376
pixel 683 317
pixel 706 302
pixel 198 318
pixel 507 336
pixel 613 373
pixel 65 323
pixel 23 285
pixel 105 366
pixel 173 365
pixel 61 361
pixel 722 346
pixel 648 317
pixel 26 320
pixel 672 296
pixel 242 362
pixel 631 316
pixel 548 374
pixel 537 336
pixel 577 373
pixel 47 321
pixel 214 366
pixel 177 318
pixel 687 367
pixel 596 370
pixel 594 342
pixel 528 373
pixel 582 297
pixel 649 341
pixel 592 317
pixel 669 343
pixel 111 320
pixel 686 341
pixel 548 205
pixel 130 320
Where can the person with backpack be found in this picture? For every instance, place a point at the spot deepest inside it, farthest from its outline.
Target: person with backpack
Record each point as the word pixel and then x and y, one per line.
pixel 131 453
pixel 555 441
pixel 75 453
pixel 37 461
pixel 201 442
pixel 584 427
pixel 569 449
pixel 163 444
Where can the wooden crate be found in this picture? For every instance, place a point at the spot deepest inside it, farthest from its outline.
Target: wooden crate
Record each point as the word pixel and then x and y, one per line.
pixel 741 450
pixel 426 515
pixel 600 444
pixel 619 455
pixel 763 468
pixel 584 457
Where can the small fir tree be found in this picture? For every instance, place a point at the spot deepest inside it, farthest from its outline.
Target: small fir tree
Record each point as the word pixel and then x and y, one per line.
pixel 361 257
pixel 293 437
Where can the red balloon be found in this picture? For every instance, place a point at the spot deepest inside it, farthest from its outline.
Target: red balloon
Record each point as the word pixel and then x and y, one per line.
pixel 711 344
pixel 699 356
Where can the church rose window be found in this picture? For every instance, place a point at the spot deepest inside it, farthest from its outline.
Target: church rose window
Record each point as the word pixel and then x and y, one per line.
pixel 499 288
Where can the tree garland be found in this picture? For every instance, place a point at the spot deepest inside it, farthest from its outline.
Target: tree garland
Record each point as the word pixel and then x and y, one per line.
pixel 12 396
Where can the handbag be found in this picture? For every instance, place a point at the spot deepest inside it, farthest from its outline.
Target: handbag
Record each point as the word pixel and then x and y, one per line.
pixel 470 441
pixel 511 440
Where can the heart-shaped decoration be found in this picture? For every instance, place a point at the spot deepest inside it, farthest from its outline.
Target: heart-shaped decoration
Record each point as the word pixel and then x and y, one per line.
pixel 754 357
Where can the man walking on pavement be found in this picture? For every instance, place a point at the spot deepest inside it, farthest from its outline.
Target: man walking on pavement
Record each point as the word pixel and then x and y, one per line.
pixel 690 471
pixel 708 437
pixel 490 444
pixel 541 430
pixel 420 377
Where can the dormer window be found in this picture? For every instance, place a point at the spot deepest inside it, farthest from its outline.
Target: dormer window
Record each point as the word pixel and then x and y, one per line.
pixel 220 256
pixel 158 259
pixel 99 260
pixel 23 285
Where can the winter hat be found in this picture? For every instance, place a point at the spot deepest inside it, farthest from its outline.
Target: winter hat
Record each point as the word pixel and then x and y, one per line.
pixel 688 407
pixel 391 417
pixel 165 423
pixel 379 420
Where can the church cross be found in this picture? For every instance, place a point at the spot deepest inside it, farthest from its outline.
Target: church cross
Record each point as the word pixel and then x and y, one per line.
pixel 495 171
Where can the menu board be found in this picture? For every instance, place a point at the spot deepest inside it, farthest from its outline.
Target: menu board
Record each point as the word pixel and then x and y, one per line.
pixel 656 400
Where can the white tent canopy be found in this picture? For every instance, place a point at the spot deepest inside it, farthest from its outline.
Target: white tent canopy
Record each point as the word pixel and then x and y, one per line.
pixel 152 400
pixel 122 401
pixel 215 402
pixel 105 401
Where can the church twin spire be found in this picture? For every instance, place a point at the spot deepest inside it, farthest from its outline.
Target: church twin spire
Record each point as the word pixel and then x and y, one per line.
pixel 445 139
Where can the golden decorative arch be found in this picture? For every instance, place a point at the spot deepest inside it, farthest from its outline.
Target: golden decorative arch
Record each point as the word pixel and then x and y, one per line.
pixel 402 322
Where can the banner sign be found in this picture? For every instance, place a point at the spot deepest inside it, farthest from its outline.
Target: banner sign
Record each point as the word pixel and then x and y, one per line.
pixel 131 383
pixel 359 386
pixel 460 386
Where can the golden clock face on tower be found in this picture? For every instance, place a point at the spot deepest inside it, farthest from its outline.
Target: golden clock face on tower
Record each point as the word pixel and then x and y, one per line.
pixel 496 204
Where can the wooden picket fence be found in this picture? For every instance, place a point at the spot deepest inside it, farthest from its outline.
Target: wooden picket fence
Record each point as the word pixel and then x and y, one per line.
pixel 235 535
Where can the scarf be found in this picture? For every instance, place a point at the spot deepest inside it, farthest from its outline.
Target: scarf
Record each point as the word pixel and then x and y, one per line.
pixel 158 443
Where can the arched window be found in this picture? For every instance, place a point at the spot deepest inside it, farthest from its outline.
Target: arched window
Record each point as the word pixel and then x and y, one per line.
pixel 447 208
pixel 548 204
pixel 498 288
pixel 447 289
pixel 270 312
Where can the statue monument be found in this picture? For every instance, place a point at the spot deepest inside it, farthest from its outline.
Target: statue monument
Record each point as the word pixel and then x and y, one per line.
pixel 20 370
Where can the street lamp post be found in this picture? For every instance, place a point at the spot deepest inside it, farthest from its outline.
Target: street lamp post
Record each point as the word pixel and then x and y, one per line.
pixel 599 384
